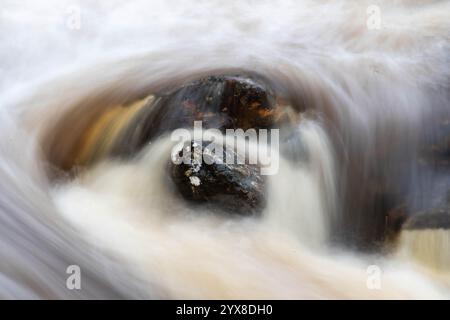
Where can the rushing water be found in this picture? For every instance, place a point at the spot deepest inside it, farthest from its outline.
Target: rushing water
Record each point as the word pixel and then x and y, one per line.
pixel 378 96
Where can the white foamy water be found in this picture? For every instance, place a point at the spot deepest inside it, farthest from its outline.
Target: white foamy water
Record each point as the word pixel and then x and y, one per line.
pixel 132 236
pixel 195 254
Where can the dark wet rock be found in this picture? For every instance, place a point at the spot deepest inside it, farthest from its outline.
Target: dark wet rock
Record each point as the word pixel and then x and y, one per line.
pixel 370 223
pixel 431 219
pixel 235 188
pixel 221 102
pixel 225 102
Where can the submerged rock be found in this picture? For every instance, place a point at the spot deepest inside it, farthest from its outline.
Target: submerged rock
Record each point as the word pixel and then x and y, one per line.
pixel 433 219
pixel 204 177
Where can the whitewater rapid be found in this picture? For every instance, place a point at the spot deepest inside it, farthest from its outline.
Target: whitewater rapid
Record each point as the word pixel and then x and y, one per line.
pixel 120 220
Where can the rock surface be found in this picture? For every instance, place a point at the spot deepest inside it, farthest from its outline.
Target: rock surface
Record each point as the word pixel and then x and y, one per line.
pixel 221 102
pixel 235 188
